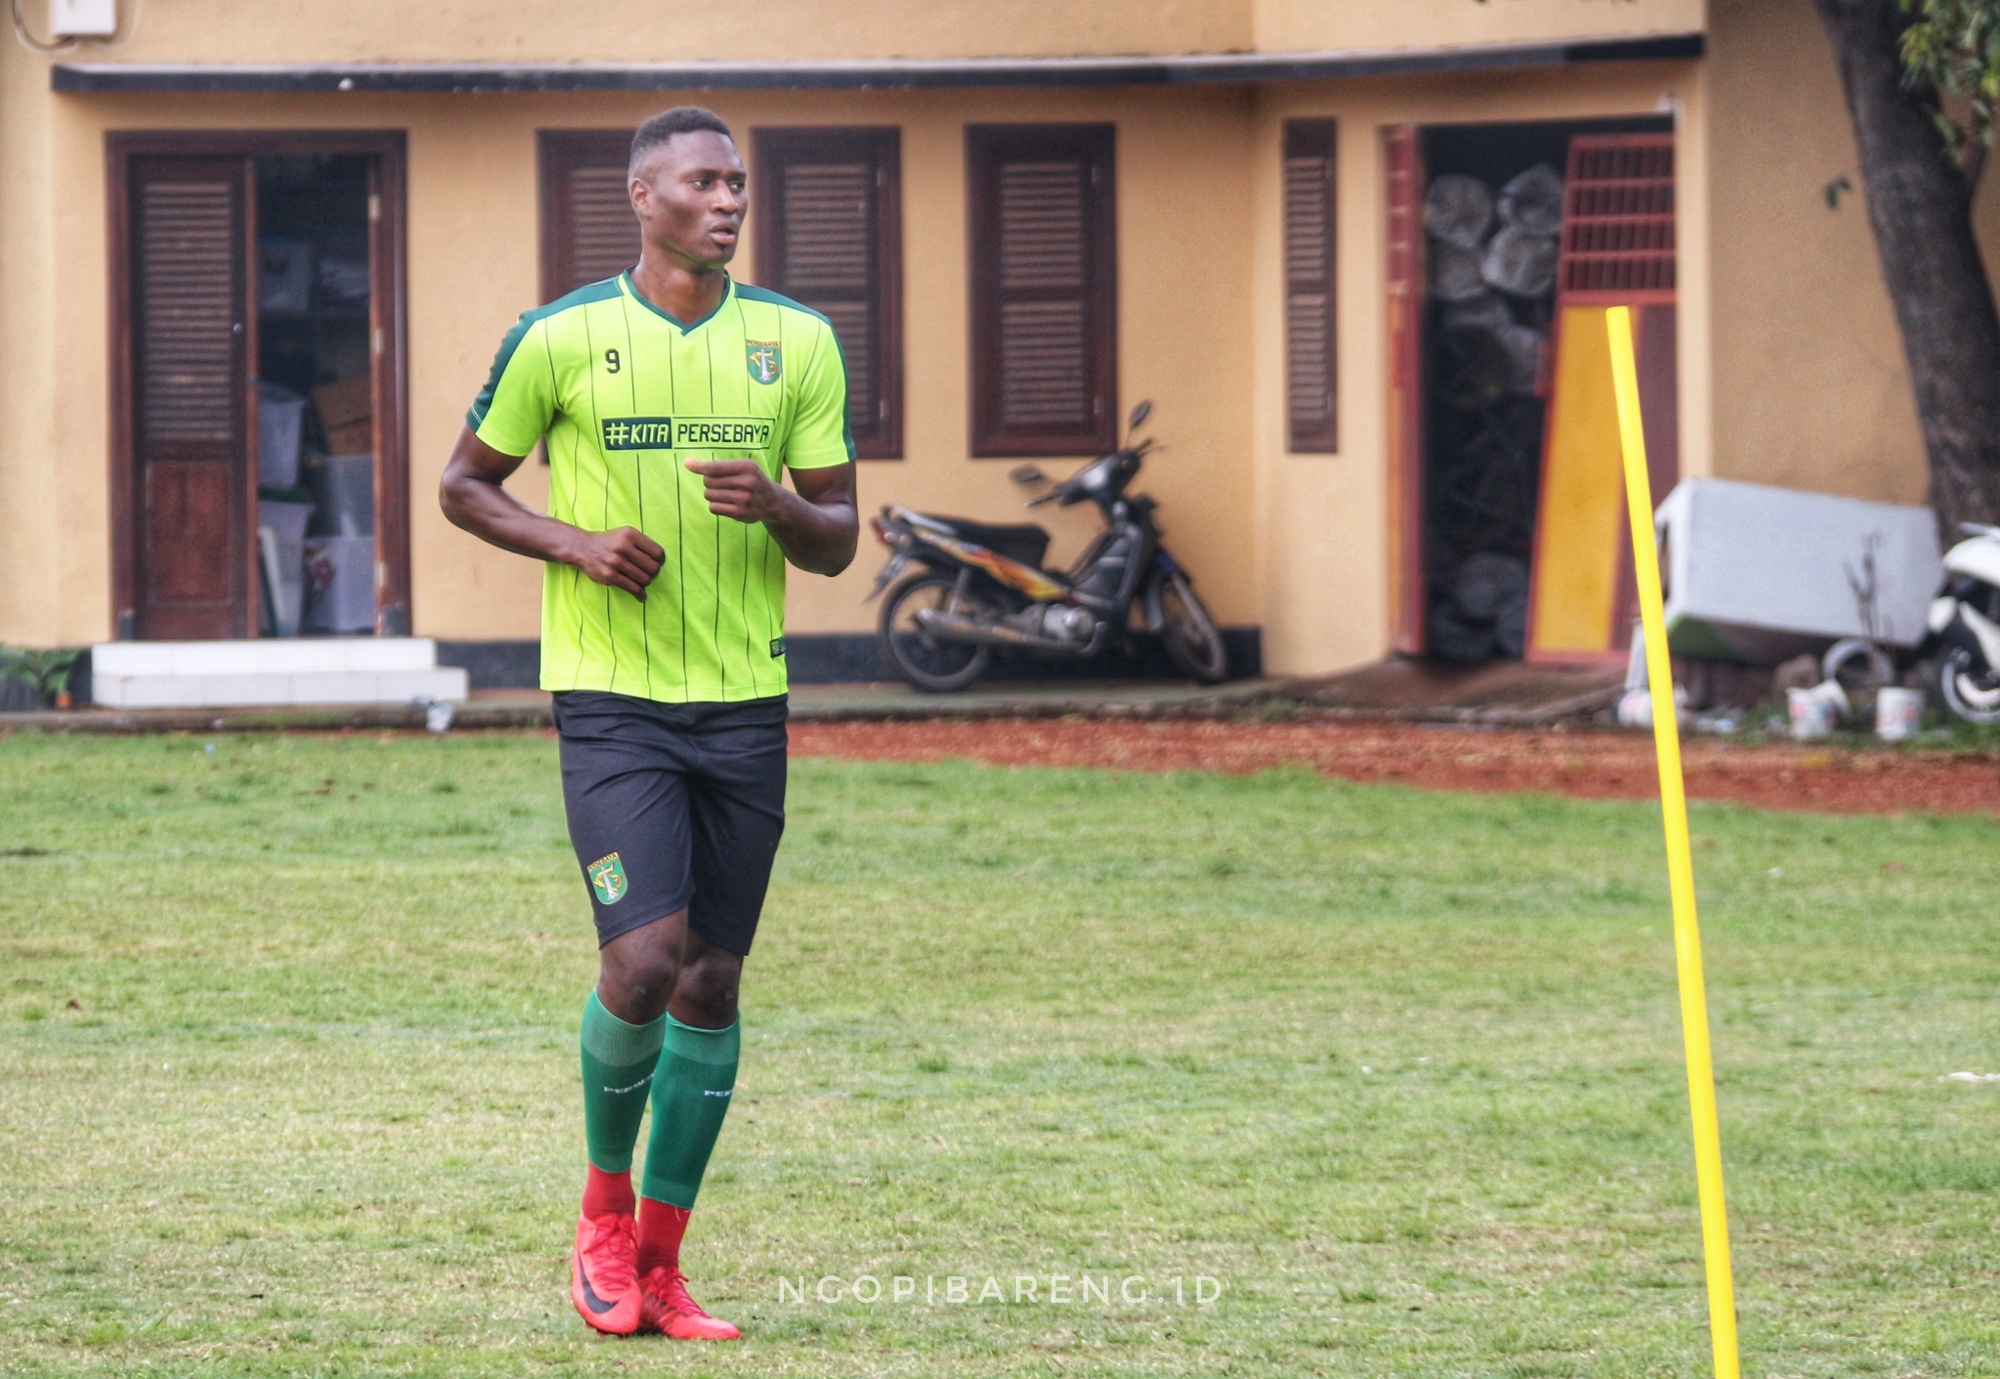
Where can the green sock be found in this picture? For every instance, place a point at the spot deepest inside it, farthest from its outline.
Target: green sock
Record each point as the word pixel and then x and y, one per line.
pixel 618 1063
pixel 691 1094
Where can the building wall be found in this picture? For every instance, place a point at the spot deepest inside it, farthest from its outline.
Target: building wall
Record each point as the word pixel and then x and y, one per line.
pixel 645 31
pixel 1313 25
pixel 633 30
pixel 1811 390
pixel 1791 370
pixel 473 246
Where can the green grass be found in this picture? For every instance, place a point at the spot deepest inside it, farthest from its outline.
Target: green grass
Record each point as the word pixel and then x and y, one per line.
pixel 287 1062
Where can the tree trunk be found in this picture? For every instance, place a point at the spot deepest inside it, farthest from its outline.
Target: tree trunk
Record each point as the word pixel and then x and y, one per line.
pixel 1920 206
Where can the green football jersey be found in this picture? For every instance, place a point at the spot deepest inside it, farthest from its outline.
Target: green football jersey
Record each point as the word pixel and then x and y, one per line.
pixel 626 395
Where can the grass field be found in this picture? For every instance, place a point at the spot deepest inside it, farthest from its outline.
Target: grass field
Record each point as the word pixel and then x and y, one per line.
pixel 287 1064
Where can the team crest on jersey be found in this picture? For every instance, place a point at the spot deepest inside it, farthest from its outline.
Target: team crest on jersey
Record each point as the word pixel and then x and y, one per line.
pixel 765 359
pixel 607 878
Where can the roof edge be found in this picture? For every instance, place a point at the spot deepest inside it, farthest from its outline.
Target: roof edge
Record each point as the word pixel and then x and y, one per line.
pixel 858 74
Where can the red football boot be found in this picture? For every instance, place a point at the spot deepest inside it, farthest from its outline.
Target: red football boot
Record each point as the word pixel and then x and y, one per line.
pixel 602 1270
pixel 665 1307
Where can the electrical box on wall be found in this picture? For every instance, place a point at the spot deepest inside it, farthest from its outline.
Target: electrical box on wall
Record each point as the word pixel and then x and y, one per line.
pixel 83 18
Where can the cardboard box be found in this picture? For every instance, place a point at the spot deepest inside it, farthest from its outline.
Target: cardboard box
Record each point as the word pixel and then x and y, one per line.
pixel 346 410
pixel 345 400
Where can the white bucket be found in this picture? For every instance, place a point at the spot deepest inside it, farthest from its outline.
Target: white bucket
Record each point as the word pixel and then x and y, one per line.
pixel 344 488
pixel 340 584
pixel 1817 711
pixel 281 415
pixel 1899 713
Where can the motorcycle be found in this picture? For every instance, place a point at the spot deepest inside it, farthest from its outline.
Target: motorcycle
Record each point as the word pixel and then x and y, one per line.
pixel 982 588
pixel 1964 637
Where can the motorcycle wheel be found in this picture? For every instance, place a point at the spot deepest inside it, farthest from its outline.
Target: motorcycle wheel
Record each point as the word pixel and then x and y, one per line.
pixel 1967 691
pixel 1193 642
pixel 922 661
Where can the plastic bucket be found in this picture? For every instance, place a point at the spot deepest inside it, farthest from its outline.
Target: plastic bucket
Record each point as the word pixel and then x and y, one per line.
pixel 1899 713
pixel 343 487
pixel 340 584
pixel 281 415
pixel 1817 711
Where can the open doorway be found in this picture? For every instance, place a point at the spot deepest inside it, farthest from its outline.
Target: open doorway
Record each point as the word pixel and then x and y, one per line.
pixel 260 481
pixel 1484 221
pixel 315 396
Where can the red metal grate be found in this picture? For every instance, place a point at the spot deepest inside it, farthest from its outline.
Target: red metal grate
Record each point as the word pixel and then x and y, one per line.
pixel 1618 220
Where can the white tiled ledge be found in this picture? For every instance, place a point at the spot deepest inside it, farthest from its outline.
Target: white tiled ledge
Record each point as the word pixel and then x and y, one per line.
pixel 312 687
pixel 265 656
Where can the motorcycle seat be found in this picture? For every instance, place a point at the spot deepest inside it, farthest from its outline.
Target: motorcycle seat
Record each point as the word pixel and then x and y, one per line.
pixel 1024 542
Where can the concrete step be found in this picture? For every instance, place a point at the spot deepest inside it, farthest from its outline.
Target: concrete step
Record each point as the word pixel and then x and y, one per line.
pixel 271 671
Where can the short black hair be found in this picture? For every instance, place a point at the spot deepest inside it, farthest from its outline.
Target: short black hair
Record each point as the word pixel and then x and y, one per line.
pixel 682 119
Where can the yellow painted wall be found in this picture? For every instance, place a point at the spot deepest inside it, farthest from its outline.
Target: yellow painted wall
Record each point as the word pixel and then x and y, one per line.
pixel 635 30
pixel 1322 519
pixel 1184 328
pixel 646 31
pixel 33 593
pixel 1309 25
pixel 1810 386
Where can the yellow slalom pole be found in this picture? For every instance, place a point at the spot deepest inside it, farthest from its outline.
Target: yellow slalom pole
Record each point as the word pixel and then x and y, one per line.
pixel 1680 861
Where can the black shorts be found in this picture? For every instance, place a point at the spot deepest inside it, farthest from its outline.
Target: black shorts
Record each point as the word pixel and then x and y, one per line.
pixel 674 805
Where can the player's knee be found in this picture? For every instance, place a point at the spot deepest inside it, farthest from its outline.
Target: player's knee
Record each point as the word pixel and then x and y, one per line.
pixel 707 989
pixel 636 986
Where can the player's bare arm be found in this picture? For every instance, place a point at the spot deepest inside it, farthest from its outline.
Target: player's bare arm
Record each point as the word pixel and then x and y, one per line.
pixel 817 527
pixel 473 497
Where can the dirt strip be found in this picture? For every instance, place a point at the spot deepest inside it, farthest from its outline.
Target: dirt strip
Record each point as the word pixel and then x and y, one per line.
pixel 1589 764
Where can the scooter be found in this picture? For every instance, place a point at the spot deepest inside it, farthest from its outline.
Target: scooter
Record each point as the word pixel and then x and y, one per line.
pixel 1964 638
pixel 982 588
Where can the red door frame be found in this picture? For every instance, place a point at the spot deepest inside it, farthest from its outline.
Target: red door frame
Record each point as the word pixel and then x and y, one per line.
pixel 1403 159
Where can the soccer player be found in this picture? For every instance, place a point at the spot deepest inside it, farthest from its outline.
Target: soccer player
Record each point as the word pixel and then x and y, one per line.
pixel 669 398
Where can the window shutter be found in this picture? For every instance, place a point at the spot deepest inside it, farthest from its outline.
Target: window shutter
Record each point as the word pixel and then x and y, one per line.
pixel 588 230
pixel 1309 290
pixel 1044 330
pixel 193 471
pixel 1618 223
pixel 828 221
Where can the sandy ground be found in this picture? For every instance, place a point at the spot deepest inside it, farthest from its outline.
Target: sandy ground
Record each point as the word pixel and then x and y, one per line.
pixel 1600 765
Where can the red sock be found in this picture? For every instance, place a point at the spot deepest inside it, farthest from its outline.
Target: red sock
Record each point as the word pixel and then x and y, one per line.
pixel 660 1228
pixel 608 1194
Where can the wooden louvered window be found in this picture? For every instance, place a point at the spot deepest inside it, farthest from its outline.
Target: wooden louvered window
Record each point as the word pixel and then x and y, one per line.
pixel 1310 381
pixel 827 217
pixel 1044 289
pixel 589 232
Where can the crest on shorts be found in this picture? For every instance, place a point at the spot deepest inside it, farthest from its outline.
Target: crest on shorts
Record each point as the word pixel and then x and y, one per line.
pixel 607 878
pixel 765 359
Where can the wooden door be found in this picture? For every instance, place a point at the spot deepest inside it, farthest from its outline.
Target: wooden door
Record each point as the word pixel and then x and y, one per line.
pixel 1404 162
pixel 194 473
pixel 1617 250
